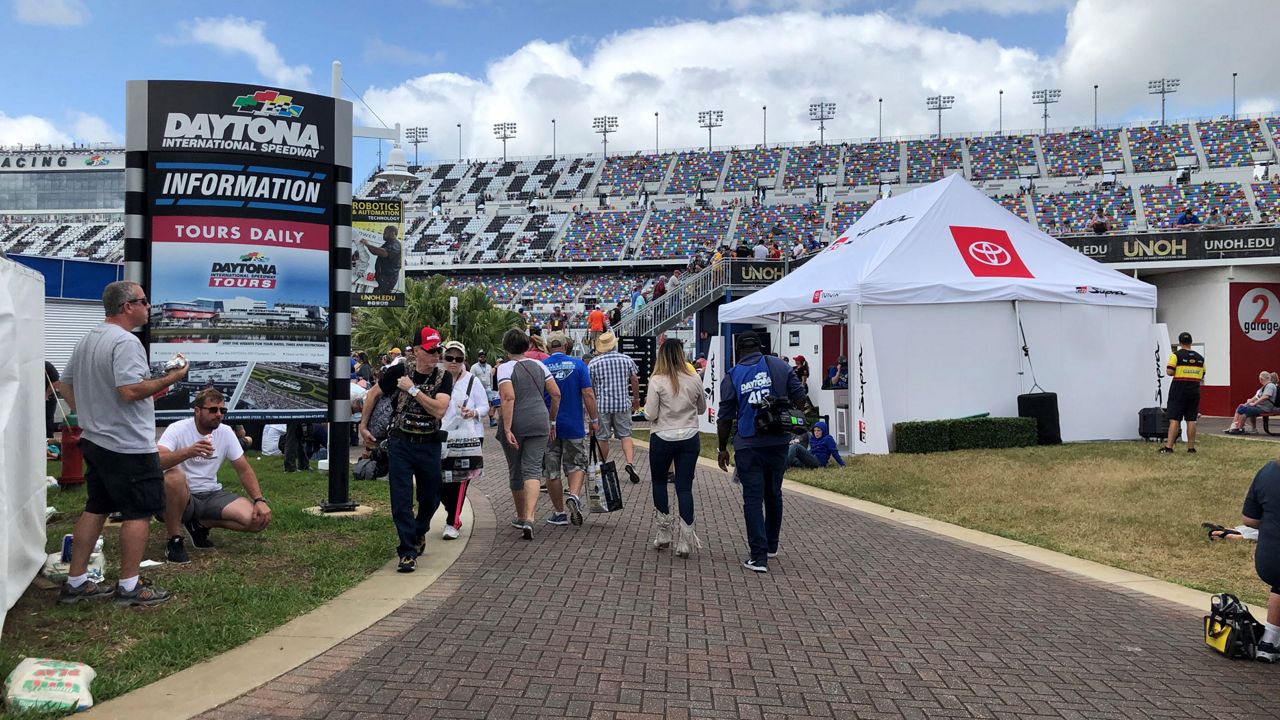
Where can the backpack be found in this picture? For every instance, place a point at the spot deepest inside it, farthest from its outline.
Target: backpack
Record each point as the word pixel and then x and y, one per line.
pixel 380 417
pixel 1231 629
pixel 373 467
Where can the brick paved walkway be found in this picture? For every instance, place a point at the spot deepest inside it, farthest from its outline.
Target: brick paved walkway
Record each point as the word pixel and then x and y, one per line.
pixel 858 618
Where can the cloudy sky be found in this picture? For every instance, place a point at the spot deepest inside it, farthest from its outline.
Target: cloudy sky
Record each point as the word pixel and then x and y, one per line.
pixel 473 63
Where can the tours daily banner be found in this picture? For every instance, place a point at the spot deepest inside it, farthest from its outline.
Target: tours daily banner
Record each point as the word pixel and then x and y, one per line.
pixel 240 195
pixel 377 253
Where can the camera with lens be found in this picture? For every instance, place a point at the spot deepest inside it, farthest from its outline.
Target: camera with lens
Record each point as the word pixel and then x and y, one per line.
pixel 777 416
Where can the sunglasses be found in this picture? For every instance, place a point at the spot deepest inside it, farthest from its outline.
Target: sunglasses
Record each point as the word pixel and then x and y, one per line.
pixel 453 358
pixel 214 410
pixel 138 301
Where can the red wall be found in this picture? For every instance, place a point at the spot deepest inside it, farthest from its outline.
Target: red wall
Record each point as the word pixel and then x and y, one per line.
pixel 1254 319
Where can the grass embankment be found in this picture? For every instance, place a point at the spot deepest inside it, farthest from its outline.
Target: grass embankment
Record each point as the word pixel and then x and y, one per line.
pixel 228 595
pixel 1117 503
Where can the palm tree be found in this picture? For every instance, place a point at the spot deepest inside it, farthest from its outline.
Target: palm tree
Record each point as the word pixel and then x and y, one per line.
pixel 480 322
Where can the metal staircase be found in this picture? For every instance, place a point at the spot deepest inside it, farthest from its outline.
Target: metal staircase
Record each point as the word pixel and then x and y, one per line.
pixel 734 277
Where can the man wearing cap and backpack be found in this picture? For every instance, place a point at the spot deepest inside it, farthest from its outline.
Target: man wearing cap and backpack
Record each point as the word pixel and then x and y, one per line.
pixel 420 392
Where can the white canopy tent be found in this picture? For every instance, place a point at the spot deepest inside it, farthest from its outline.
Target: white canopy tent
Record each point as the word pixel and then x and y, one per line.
pixel 952 285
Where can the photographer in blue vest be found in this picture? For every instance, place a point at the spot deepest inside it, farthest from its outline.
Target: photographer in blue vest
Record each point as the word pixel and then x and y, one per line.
pixel 757 387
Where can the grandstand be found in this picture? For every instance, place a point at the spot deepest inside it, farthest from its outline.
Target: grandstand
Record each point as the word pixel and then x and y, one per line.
pixel 542 230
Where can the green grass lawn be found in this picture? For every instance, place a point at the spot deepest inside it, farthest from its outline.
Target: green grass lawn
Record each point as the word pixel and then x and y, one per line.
pixel 1117 503
pixel 228 595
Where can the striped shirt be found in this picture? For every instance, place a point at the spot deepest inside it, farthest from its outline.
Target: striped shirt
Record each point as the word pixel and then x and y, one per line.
pixel 611 375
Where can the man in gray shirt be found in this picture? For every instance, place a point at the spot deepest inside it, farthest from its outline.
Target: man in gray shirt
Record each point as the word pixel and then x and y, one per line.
pixel 108 383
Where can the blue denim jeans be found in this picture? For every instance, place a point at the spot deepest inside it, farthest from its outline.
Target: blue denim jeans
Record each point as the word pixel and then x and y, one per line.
pixel 685 454
pixel 407 462
pixel 799 456
pixel 760 470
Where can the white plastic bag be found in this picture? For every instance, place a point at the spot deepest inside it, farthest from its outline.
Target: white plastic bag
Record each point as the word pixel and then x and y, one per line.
pixel 45 684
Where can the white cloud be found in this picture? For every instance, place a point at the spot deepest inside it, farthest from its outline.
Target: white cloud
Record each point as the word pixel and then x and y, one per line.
pixel 378 50
pixel 786 61
pixel 80 127
pixel 930 8
pixel 58 13
pixel 742 6
pixel 93 129
pixel 1122 44
pixel 238 36
pixel 27 130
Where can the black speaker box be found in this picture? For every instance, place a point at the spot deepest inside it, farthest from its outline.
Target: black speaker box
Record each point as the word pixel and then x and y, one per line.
pixel 1043 407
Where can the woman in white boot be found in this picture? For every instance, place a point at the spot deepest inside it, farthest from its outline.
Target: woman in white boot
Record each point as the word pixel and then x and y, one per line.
pixel 674 402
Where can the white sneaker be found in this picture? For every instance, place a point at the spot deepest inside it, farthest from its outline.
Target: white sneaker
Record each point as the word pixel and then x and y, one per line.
pixel 662 540
pixel 450 532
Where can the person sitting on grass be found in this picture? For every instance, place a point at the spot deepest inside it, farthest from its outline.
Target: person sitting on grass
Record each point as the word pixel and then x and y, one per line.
pixel 191 451
pixel 821 448
pixel 1263 401
pixel 1262 511
pixel 1239 532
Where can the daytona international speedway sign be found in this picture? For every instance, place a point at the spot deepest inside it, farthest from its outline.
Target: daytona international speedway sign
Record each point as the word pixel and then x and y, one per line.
pixel 232 201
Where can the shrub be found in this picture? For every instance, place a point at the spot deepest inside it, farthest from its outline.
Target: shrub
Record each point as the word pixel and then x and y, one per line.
pixel 938 435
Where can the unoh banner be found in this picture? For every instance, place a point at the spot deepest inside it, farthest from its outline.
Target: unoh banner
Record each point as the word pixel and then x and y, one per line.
pixel 239 206
pixel 377 253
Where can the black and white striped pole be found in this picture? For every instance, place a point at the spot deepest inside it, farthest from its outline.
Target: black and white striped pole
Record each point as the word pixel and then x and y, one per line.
pixel 340 319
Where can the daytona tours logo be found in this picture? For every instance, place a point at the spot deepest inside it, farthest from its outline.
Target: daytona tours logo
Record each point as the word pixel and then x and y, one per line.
pixel 252 270
pixel 265 121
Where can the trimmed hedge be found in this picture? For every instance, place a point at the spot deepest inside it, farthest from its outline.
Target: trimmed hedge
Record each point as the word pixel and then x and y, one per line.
pixel 925 436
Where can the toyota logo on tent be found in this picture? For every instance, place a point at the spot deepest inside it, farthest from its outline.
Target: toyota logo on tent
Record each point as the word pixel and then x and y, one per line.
pixel 988 252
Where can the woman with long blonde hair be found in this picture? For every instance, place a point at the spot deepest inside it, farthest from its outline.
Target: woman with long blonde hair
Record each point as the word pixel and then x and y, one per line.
pixel 673 404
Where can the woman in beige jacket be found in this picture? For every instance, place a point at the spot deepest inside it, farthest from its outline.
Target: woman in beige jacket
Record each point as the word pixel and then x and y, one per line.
pixel 673 404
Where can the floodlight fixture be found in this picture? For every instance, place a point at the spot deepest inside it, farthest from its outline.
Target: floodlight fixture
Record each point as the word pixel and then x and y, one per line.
pixel 939 103
pixel 1163 87
pixel 417 136
pixel 710 119
pixel 504 131
pixel 1046 98
pixel 821 112
pixel 605 124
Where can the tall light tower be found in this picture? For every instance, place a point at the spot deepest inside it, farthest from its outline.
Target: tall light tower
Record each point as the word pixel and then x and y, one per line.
pixel 821 112
pixel 710 119
pixel 504 131
pixel 1163 87
pixel 415 135
pixel 939 103
pixel 604 125
pixel 1046 98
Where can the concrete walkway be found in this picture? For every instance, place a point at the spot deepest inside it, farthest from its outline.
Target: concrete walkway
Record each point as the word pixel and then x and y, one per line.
pixel 861 616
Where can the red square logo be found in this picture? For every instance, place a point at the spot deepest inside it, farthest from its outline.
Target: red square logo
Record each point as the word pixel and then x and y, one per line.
pixel 817 295
pixel 989 252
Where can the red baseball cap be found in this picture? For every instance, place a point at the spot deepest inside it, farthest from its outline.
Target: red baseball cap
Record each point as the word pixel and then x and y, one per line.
pixel 428 338
pixel 799 358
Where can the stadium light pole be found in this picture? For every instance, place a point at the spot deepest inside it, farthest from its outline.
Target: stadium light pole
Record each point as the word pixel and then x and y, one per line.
pixel 1095 106
pixel 710 119
pixel 604 125
pixel 880 132
pixel 764 126
pixel 940 103
pixel 459 125
pixel 504 131
pixel 821 112
pixel 553 138
pixel 1000 114
pixel 1046 98
pixel 1233 96
pixel 415 135
pixel 1163 87
pixel 655 133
